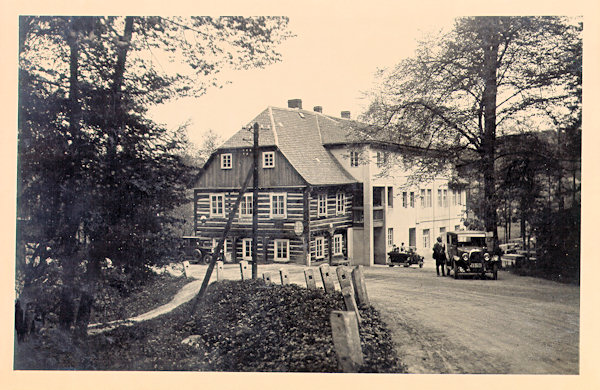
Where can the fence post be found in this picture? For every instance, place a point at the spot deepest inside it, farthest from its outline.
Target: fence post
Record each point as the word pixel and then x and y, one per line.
pixel 284 276
pixel 186 269
pixel 244 269
pixel 360 287
pixel 327 278
pixel 344 275
pixel 219 271
pixel 267 277
pixel 346 340
pixel 348 294
pixel 309 275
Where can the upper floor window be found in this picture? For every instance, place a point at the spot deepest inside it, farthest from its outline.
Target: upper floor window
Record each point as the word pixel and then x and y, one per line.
pixel 381 159
pixel 268 159
pixel 423 202
pixel 246 206
pixel 340 203
pixel 226 161
pixel 282 250
pixel 428 203
pixel 445 198
pixel 217 205
pixel 412 199
pixel 439 198
pixel 390 196
pixel 454 197
pixel 337 244
pixel 404 199
pixel 278 205
pixel 322 205
pixel 354 154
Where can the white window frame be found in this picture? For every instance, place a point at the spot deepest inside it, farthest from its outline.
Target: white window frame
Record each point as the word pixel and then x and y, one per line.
pixel 337 242
pixel 216 214
pixel 423 200
pixel 445 198
pixel 340 203
pixel 429 191
pixel 404 199
pixel 412 199
pixel 319 243
pixel 354 154
pixel 390 236
pixel 439 198
pixel 247 249
pixel 426 238
pixel 276 252
pixel 245 206
pixel 268 159
pixel 322 205
pixel 226 161
pixel 272 195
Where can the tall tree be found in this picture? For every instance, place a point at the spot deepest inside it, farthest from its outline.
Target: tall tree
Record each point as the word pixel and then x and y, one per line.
pixel 96 177
pixel 486 77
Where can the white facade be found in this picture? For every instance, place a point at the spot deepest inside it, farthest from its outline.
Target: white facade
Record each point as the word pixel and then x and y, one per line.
pixel 390 215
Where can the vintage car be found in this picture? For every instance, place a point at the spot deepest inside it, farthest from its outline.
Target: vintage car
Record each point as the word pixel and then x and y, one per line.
pixel 467 253
pixel 194 250
pixel 406 258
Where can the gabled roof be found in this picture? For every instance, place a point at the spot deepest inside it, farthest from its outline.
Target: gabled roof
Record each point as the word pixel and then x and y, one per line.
pixel 300 135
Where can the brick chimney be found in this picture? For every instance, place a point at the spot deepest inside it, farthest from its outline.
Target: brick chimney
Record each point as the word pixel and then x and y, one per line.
pixel 295 103
pixel 345 114
pixel 318 109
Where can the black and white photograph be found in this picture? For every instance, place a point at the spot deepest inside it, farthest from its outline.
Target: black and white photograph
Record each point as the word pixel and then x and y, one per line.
pixel 333 188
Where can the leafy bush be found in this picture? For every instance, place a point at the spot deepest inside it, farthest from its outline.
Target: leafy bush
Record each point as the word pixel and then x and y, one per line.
pixel 251 326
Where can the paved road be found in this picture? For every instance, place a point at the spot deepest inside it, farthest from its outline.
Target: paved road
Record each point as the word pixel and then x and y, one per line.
pixel 514 325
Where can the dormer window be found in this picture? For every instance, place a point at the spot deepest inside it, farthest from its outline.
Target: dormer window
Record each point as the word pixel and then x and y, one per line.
pixel 226 161
pixel 268 159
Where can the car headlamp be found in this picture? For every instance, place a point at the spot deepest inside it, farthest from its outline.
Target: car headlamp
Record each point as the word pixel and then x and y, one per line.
pixel 486 257
pixel 465 256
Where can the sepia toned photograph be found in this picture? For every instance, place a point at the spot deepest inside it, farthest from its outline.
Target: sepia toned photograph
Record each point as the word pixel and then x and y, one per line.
pixel 307 193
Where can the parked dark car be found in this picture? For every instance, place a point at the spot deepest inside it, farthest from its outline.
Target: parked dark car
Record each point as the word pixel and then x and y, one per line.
pixel 194 250
pixel 406 258
pixel 467 252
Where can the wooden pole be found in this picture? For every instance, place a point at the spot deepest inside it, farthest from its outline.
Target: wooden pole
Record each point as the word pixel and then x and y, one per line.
pixel 219 247
pixel 255 203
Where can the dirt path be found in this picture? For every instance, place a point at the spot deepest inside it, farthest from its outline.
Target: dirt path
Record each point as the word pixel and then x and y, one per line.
pixel 184 295
pixel 515 325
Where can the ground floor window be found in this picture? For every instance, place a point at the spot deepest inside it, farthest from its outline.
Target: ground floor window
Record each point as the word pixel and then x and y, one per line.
pixel 337 244
pixel 390 237
pixel 426 238
pixel 319 247
pixel 247 249
pixel 282 250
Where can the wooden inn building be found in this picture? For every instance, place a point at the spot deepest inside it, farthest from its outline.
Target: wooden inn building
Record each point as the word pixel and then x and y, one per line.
pixel 322 197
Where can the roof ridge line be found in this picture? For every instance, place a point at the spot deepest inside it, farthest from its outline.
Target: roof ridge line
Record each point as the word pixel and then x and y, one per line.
pixel 273 127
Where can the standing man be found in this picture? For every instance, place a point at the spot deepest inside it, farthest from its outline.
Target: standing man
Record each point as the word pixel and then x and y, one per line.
pixel 439 254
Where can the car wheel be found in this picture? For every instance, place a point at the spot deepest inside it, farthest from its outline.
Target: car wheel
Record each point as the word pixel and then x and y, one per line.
pixel 455 269
pixel 207 258
pixel 421 264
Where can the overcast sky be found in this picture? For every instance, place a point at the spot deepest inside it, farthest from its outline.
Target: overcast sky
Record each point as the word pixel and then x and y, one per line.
pixel 330 62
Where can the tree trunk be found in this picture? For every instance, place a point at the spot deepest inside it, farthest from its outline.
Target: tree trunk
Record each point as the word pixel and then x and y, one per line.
pixel 488 146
